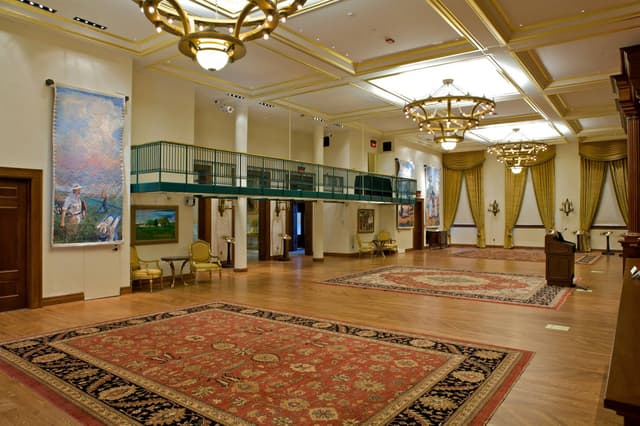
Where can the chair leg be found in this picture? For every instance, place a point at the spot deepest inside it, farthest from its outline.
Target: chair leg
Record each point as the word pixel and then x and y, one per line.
pixel 220 273
pixel 150 285
pixel 209 275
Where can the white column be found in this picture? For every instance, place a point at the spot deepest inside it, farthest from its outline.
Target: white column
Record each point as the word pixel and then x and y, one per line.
pixel 318 206
pixel 240 207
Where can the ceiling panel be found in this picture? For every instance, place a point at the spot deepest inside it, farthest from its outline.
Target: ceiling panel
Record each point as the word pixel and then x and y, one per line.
pixel 359 28
pixel 338 100
pixel 587 56
pixel 523 13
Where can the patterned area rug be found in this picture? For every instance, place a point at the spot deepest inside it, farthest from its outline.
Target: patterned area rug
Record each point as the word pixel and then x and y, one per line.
pixel 228 364
pixel 526 290
pixel 588 259
pixel 518 254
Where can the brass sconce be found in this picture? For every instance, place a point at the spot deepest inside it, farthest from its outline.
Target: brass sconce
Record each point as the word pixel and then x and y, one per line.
pixel 280 206
pixel 566 207
pixel 224 204
pixel 494 207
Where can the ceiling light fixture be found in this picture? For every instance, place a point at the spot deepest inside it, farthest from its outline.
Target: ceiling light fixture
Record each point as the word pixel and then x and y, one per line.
pixel 518 151
pixel 217 39
pixel 448 113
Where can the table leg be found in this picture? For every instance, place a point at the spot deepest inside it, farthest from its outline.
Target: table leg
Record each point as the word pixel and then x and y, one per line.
pixel 173 273
pixel 181 271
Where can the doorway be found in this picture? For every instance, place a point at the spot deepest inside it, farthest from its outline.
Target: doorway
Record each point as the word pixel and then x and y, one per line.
pixel 301 230
pixel 20 247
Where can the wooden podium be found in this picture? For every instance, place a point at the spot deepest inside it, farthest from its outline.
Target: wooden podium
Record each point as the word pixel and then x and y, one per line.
pixel 560 260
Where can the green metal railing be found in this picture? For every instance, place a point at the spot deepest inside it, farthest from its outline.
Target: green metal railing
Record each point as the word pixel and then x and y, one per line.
pixel 174 167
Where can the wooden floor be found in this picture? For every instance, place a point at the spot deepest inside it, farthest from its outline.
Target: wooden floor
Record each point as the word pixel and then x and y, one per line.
pixel 563 385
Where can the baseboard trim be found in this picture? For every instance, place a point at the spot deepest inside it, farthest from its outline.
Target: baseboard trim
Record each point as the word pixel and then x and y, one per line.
pixel 240 269
pixel 56 300
pixel 340 254
pixel 125 290
pixel 318 259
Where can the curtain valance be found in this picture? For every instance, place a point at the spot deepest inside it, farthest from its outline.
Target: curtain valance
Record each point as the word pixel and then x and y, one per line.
pixel 603 151
pixel 463 160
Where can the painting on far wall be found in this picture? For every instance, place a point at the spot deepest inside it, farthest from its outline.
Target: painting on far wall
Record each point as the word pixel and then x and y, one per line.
pixel 404 218
pixel 366 221
pixel 406 170
pixel 432 196
pixel 87 168
pixel 154 224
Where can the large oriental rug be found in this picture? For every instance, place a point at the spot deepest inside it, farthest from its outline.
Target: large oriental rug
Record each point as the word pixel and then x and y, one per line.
pixel 228 364
pixel 517 254
pixel 526 290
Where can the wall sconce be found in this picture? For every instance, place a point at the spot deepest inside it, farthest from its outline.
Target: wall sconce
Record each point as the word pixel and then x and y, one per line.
pixel 494 207
pixel 224 204
pixel 280 206
pixel 566 207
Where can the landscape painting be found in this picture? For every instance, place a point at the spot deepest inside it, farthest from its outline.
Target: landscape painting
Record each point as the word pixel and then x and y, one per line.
pixel 154 224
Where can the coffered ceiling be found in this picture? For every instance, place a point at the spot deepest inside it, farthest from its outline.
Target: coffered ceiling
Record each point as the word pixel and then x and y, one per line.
pixel 355 63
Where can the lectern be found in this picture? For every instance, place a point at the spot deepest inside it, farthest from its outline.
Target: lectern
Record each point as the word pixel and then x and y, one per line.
pixel 560 260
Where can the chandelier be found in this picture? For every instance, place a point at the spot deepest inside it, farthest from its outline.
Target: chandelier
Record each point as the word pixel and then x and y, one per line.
pixel 517 152
pixel 448 113
pixel 212 34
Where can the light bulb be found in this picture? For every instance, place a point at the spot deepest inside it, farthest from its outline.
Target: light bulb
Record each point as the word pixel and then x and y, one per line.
pixel 516 170
pixel 211 58
pixel 448 145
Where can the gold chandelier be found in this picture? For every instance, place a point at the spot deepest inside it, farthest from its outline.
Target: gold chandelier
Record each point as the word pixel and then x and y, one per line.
pixel 211 34
pixel 448 113
pixel 517 152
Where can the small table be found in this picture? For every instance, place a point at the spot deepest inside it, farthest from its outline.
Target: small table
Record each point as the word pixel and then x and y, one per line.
pixel 170 260
pixel 378 247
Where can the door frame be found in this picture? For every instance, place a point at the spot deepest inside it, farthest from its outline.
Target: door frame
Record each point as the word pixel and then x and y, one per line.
pixel 34 230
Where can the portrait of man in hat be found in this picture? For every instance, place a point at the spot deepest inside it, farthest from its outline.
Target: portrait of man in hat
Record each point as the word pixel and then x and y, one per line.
pixel 73 212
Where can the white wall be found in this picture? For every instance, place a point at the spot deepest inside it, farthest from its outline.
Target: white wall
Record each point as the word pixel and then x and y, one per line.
pixel 25 117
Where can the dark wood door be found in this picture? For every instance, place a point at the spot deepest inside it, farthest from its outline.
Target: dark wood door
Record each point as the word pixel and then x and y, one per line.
pixel 308 228
pixel 14 211
pixel 418 224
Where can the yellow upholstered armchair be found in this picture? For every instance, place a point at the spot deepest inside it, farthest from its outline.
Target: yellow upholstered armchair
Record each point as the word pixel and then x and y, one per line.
pixel 388 243
pixel 364 246
pixel 144 269
pixel 201 259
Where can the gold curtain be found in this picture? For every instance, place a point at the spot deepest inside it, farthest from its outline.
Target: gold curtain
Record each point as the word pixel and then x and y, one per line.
pixel 544 187
pixel 604 151
pixel 452 183
pixel 619 175
pixel 463 160
pixel 475 192
pixel 592 175
pixel 514 193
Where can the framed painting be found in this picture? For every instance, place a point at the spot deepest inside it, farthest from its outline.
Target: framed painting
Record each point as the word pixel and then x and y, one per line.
pixel 366 221
pixel 432 197
pixel 87 168
pixel 154 224
pixel 405 218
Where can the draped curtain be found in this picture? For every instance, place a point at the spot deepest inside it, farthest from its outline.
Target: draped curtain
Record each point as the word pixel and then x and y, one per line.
pixel 514 185
pixel 543 176
pixel 594 159
pixel 452 182
pixel 469 165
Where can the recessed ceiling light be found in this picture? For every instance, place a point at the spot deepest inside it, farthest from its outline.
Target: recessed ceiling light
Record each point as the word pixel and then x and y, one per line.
pixel 39 6
pixel 90 23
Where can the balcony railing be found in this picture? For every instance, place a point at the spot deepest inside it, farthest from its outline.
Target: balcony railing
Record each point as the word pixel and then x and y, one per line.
pixel 174 167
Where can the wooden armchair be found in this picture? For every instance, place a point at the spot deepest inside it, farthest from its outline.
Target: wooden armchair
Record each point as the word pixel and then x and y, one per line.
pixel 144 269
pixel 388 244
pixel 365 246
pixel 201 259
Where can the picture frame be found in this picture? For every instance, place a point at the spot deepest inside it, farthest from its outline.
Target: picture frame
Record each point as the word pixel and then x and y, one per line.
pixel 405 216
pixel 154 224
pixel 366 221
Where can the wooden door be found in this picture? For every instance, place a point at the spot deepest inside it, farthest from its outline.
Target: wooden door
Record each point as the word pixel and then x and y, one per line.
pixel 418 224
pixel 14 213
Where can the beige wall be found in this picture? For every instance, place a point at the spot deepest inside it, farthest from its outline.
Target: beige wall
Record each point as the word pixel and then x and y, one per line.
pixel 25 117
